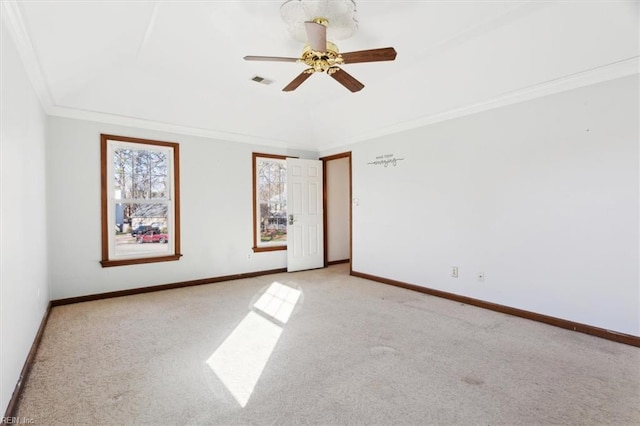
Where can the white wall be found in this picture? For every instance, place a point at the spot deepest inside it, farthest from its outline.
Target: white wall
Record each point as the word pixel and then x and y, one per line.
pixel 541 196
pixel 216 211
pixel 24 290
pixel 338 201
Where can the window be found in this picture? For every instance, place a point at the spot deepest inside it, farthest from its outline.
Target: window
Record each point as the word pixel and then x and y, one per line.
pixel 140 201
pixel 269 202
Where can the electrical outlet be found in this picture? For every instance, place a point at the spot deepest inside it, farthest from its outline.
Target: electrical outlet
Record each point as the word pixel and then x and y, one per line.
pixel 454 271
pixel 480 276
pixel 248 256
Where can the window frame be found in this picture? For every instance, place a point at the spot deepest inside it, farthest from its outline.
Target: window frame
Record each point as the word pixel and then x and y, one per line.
pixel 256 248
pixel 108 202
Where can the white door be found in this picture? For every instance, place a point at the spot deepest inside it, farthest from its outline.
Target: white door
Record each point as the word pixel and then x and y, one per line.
pixel 305 248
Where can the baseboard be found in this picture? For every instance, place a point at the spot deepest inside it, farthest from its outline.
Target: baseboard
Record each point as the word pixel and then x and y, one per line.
pixel 338 262
pixel 627 339
pixel 140 290
pixel 12 408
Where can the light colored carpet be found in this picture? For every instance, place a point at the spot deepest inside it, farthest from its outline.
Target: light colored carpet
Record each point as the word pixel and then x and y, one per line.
pixel 352 352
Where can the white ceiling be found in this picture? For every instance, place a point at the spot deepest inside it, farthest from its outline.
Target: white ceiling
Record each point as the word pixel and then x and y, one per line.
pixel 178 66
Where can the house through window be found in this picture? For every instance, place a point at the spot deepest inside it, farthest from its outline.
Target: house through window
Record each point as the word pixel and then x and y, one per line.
pixel 269 202
pixel 140 208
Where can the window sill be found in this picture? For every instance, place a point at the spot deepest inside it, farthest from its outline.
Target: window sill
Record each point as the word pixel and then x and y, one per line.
pixel 124 262
pixel 274 248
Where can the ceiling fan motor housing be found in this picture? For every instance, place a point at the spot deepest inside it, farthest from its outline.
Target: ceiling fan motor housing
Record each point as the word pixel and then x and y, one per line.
pixel 321 61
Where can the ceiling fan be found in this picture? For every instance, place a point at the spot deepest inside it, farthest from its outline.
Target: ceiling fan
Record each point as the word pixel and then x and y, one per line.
pixel 323 56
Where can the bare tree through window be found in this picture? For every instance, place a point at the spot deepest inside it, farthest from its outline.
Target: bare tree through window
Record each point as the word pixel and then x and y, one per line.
pixel 270 202
pixel 139 199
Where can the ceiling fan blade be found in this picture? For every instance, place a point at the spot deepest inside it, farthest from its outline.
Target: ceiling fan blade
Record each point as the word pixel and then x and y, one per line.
pixel 317 36
pixel 373 55
pixel 347 80
pixel 297 81
pixel 270 58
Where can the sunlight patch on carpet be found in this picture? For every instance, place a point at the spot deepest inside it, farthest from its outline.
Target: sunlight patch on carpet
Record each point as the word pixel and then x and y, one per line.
pixel 241 358
pixel 278 301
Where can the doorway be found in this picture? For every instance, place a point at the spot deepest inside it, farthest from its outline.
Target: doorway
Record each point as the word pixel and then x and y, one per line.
pixel 337 208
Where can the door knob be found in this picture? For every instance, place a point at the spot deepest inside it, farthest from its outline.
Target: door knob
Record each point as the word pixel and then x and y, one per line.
pixel 291 219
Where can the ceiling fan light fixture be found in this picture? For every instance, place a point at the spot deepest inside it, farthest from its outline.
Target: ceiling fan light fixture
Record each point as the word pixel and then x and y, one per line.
pixel 321 61
pixel 339 16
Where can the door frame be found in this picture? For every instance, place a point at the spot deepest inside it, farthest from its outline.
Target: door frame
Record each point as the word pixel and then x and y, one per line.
pixel 325 202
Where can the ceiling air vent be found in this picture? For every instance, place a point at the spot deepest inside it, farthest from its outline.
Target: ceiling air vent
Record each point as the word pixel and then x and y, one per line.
pixel 262 80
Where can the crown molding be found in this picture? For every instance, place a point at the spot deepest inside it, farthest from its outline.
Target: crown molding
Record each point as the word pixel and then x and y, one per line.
pixel 596 75
pixel 12 18
pixel 620 69
pixel 120 120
